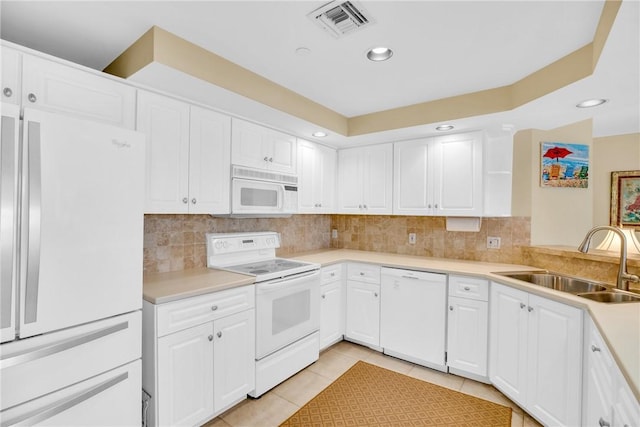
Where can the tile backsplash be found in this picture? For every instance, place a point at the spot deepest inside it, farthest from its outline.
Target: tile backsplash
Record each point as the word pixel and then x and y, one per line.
pixel 177 242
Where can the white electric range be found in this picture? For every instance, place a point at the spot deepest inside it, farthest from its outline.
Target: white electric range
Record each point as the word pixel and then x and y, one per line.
pixel 287 302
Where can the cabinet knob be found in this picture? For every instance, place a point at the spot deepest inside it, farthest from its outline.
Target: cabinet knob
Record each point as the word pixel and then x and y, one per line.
pixel 193 201
pixel 185 200
pixel 375 294
pixel 362 273
pixel 271 159
pixel 324 296
pixel 319 205
pixel 219 334
pixel 333 274
pixel 603 423
pixel 266 159
pixel 450 308
pixel 210 337
pixel 522 305
pixel 435 206
pixel 466 288
pixel 7 92
pixel 365 206
pixel 32 98
pixel 214 307
pixel 530 309
pixel 429 206
pixel 594 348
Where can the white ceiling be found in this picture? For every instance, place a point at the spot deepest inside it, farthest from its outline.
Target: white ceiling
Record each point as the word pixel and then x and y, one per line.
pixel 442 49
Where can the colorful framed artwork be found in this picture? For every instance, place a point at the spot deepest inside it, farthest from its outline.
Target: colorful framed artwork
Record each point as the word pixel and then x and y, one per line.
pixel 564 165
pixel 625 199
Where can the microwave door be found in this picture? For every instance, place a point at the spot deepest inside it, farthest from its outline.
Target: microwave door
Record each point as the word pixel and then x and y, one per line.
pixel 257 197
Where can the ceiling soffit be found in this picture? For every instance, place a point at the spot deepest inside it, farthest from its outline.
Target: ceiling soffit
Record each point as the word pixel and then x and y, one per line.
pixel 158 45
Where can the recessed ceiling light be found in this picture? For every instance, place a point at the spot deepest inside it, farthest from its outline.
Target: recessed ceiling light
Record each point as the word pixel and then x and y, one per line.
pixel 379 54
pixel 591 103
pixel 444 127
pixel 319 134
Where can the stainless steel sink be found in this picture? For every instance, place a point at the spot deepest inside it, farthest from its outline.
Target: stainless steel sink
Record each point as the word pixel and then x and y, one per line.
pixel 558 282
pixel 594 291
pixel 611 296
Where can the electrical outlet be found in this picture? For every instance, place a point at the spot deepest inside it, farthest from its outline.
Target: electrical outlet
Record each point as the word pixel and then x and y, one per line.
pixel 412 238
pixel 493 242
pixel 334 234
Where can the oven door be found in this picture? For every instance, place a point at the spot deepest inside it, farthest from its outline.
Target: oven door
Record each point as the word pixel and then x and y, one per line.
pixel 287 309
pixel 256 197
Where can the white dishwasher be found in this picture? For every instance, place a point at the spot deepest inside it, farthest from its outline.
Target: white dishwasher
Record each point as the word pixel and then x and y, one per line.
pixel 413 316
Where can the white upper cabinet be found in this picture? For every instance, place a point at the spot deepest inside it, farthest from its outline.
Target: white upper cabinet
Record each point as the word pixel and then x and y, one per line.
pixel 365 177
pixel 187 156
pixel 259 147
pixel 439 176
pixel 316 178
pixel 50 85
pixel 11 75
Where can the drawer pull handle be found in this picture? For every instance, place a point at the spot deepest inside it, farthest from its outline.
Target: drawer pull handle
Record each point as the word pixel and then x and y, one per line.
pixel 522 305
pixel 214 307
pixel 594 348
pixel 466 288
pixel 530 309
pixel 219 334
pixel 210 337
pixel 603 423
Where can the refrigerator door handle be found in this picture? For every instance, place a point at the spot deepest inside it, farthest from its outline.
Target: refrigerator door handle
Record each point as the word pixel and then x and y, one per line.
pixel 47 350
pixel 40 414
pixel 8 188
pixel 34 211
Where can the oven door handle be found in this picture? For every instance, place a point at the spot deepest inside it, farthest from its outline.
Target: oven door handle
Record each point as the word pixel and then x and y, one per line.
pixel 276 284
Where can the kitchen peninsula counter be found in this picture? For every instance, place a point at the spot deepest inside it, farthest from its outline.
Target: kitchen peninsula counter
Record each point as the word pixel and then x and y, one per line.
pixel 619 324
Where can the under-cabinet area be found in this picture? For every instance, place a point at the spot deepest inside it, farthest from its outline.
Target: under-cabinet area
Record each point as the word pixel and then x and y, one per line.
pixel 544 354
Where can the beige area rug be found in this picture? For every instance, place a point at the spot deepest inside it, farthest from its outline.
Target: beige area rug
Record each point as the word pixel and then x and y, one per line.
pixel 367 395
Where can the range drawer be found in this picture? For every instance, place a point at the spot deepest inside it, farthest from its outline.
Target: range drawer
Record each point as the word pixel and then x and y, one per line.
pixel 469 287
pixel 331 273
pixel 363 272
pixel 178 315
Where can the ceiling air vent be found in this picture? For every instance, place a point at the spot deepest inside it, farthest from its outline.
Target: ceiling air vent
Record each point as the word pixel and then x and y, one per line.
pixel 339 18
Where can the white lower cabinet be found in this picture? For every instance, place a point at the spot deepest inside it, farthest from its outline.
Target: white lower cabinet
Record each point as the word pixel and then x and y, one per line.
pixel 536 354
pixel 363 304
pixel 198 356
pixel 413 316
pixel 607 400
pixel 331 306
pixel 467 327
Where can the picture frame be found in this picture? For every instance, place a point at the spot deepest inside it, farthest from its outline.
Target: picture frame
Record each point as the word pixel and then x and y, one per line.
pixel 625 199
pixel 564 165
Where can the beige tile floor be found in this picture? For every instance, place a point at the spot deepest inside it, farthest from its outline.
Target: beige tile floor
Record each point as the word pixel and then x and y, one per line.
pixel 282 401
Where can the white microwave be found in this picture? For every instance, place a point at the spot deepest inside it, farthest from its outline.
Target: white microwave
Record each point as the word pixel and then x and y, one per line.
pixel 257 193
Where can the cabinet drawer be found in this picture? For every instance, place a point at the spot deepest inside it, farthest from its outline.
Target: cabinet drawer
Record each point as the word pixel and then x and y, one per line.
pixel 363 272
pixel 469 287
pixel 178 315
pixel 331 273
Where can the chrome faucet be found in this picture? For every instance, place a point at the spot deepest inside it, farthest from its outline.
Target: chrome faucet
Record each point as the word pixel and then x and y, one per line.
pixel 623 276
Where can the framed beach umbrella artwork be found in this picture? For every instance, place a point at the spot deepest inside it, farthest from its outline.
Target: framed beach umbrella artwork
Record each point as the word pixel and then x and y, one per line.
pixel 564 165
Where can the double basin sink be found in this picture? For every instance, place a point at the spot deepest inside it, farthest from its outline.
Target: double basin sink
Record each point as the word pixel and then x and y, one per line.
pixel 594 291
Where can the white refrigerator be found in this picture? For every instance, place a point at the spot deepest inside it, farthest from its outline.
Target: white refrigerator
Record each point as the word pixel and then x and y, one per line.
pixel 71 260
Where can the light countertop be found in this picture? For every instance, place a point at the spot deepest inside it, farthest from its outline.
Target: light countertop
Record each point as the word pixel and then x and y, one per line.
pixel 619 324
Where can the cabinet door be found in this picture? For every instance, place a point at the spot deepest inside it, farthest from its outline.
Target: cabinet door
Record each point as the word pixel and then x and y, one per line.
pixel 467 335
pixel 413 316
pixel 508 341
pixel 233 359
pixel 626 409
pixel 308 177
pixel 412 183
pixel 51 85
pixel 554 369
pixel 11 75
pixel 165 122
pixel 458 168
pixel 282 151
pixel 378 179
pixel 185 376
pixel 326 162
pixel 350 180
pixel 331 324
pixel 363 313
pixel 209 162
